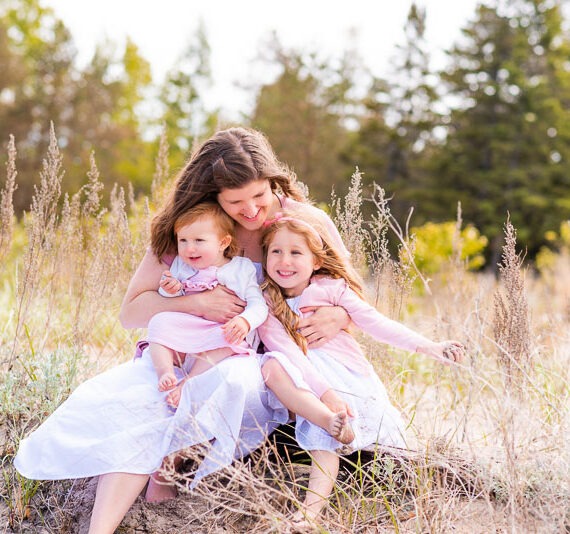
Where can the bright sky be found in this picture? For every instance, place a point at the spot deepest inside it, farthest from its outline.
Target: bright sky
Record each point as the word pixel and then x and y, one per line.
pixel 236 30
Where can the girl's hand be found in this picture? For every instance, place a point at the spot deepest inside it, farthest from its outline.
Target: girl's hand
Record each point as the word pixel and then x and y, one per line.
pixel 218 304
pixel 235 330
pixel 445 351
pixel 323 325
pixel 170 284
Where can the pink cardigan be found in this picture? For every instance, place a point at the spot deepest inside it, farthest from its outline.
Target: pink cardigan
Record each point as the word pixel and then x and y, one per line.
pixel 323 291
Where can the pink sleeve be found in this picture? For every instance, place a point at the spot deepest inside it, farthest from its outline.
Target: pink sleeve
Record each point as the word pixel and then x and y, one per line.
pixel 275 338
pixel 380 327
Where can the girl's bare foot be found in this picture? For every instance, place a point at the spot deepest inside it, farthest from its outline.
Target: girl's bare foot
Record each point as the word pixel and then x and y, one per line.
pixel 339 428
pixel 159 489
pixel 167 381
pixel 304 521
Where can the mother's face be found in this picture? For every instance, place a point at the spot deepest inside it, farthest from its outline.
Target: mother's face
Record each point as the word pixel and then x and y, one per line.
pixel 250 205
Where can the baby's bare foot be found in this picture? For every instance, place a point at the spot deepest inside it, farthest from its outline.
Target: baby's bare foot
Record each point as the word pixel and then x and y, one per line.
pixel 173 398
pixel 340 429
pixel 167 381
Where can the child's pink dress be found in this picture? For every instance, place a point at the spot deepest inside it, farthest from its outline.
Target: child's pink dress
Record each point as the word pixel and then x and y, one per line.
pixel 188 333
pixel 341 365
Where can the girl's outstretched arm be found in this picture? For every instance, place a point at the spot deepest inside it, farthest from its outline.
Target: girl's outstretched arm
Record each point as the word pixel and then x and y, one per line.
pixel 386 330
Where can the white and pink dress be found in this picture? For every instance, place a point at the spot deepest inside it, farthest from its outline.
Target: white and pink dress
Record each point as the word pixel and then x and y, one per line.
pixel 118 421
pixel 341 365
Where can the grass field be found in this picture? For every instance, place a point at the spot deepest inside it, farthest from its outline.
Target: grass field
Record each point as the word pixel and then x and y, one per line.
pixel 489 439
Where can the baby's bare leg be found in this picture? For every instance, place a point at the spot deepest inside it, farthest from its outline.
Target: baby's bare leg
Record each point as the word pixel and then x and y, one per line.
pixel 163 361
pixel 206 360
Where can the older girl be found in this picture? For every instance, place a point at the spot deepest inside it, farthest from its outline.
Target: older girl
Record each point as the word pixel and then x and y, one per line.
pixel 304 270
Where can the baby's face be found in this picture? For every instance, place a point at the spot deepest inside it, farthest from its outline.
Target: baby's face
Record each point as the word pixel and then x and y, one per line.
pixel 200 244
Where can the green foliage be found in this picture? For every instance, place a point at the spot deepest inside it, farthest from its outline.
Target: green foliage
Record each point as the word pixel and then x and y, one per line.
pixel 302 113
pixel 507 146
pixel 558 246
pixel 437 243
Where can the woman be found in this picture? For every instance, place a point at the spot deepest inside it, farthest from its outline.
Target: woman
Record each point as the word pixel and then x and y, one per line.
pixel 117 425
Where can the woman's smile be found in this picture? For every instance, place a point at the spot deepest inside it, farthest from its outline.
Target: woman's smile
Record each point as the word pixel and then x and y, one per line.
pixel 250 205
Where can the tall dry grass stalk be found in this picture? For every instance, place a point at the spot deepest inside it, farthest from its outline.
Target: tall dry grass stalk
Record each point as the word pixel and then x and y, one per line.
pixel 347 214
pixel 512 323
pixel 6 202
pixel 161 176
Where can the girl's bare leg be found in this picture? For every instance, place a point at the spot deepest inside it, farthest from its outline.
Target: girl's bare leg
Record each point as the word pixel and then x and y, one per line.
pixel 324 470
pixel 306 404
pixel 160 488
pixel 116 492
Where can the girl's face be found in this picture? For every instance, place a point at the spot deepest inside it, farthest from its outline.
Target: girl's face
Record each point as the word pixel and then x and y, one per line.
pixel 250 205
pixel 290 262
pixel 200 244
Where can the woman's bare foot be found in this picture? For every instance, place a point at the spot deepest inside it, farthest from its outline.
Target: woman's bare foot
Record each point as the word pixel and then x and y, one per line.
pixel 167 381
pixel 339 428
pixel 159 489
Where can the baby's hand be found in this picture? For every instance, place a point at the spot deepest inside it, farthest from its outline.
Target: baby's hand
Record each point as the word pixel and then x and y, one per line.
pixel 445 351
pixel 170 284
pixel 235 330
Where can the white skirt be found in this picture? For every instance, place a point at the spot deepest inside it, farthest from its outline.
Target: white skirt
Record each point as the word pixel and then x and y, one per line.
pixel 118 421
pixel 376 421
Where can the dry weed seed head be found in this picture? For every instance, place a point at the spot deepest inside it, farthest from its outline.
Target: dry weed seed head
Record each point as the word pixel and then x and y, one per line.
pixel 349 221
pixel 511 322
pixel 162 170
pixel 6 200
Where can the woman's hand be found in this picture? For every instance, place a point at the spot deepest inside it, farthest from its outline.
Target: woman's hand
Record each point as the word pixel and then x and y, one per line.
pixel 218 304
pixel 322 325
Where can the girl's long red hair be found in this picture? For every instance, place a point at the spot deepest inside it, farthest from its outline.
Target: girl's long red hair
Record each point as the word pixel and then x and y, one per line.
pixel 333 265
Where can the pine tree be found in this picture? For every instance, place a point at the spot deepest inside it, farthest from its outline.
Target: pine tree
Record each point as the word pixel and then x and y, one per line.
pixel 507 148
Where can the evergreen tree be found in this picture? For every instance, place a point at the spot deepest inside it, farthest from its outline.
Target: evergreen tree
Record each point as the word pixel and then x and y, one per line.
pixel 396 132
pixel 304 113
pixel 508 144
pixel 184 115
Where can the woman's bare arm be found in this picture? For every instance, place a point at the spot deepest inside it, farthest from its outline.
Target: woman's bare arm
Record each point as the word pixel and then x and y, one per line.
pixel 142 300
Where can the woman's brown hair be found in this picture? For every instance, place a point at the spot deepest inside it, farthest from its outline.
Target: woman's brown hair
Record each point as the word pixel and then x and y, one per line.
pixel 333 265
pixel 230 159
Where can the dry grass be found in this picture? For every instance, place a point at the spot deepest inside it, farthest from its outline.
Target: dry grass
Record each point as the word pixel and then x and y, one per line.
pixel 488 438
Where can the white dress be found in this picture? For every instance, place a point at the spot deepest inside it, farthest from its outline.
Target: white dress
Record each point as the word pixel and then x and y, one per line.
pixel 118 421
pixel 376 421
